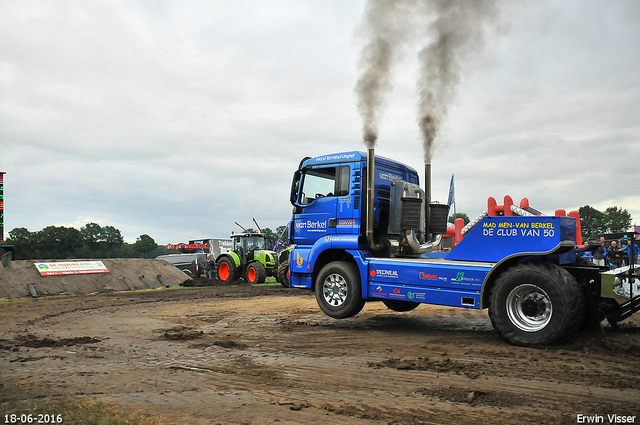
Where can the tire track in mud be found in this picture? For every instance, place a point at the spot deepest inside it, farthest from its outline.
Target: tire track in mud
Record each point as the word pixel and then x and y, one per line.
pixel 253 360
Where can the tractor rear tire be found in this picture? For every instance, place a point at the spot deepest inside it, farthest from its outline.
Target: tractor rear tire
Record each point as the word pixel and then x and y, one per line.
pixel 256 273
pixel 536 304
pixel 283 274
pixel 338 291
pixel 226 270
pixel 397 305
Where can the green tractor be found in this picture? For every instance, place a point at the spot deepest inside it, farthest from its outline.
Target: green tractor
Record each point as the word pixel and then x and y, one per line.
pixel 249 259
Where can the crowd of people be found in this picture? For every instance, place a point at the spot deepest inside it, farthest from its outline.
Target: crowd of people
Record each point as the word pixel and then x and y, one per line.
pixel 615 253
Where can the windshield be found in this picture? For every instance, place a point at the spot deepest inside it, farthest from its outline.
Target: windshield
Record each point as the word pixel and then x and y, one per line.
pixel 255 242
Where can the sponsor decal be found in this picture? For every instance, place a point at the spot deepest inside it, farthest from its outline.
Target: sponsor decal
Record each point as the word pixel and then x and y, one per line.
pixel 460 278
pixel 344 238
pixel 389 177
pixel 347 222
pixel 312 226
pixel 415 295
pixel 423 275
pixel 299 259
pixel 397 293
pixel 372 273
pixel 378 291
pixel 341 157
pixel 71 267
pixel 385 273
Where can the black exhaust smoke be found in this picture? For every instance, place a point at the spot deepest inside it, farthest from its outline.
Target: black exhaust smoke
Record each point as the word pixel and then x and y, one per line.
pixel 454 30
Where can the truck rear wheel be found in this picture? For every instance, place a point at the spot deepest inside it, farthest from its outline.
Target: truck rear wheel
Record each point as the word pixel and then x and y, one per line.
pixel 226 270
pixel 536 304
pixel 397 305
pixel 338 290
pixel 256 273
pixel 283 274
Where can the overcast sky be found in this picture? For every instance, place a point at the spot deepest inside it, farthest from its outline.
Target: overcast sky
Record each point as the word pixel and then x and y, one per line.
pixel 177 118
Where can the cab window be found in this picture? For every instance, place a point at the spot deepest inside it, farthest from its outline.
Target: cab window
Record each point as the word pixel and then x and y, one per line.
pixel 324 182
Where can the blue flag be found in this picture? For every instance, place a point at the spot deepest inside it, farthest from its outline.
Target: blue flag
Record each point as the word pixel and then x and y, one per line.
pixel 452 194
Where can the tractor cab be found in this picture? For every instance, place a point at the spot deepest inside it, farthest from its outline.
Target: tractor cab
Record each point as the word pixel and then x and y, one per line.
pixel 244 244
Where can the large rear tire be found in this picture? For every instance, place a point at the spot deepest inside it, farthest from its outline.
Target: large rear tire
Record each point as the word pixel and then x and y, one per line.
pixel 536 304
pixel 226 270
pixel 283 274
pixel 338 291
pixel 256 273
pixel 397 305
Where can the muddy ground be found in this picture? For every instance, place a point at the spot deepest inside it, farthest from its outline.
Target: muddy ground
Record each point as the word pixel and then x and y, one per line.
pixel 257 355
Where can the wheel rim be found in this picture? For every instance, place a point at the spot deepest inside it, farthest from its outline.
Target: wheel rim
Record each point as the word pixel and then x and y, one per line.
pixel 529 308
pixel 223 271
pixel 334 290
pixel 251 274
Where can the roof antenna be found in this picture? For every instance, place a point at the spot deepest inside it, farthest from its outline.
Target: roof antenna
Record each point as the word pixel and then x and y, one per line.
pixel 254 220
pixel 242 227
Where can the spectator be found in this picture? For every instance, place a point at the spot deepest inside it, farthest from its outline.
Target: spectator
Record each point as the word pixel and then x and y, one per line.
pixel 615 257
pixel 599 254
pixel 209 267
pixel 630 250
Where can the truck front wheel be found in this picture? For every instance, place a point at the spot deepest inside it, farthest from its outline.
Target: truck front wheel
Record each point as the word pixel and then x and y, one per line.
pixel 536 304
pixel 338 290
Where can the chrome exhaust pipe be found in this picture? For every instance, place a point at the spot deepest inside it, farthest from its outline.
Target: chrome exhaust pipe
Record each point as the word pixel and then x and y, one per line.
pixel 431 240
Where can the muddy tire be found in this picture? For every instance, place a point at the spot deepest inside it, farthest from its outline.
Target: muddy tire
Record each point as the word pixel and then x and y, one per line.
pixel 338 291
pixel 226 270
pixel 256 273
pixel 283 274
pixel 401 306
pixel 536 304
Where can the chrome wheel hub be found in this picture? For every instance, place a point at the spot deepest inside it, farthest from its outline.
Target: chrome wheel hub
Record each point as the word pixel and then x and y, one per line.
pixel 529 308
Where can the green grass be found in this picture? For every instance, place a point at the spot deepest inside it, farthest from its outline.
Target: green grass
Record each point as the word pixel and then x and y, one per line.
pixel 25 398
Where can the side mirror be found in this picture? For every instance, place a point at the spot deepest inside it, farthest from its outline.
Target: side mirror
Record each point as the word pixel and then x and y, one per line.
pixel 295 188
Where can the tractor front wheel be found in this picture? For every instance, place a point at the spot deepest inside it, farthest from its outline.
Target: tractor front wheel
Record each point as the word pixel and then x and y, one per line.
pixel 256 273
pixel 226 270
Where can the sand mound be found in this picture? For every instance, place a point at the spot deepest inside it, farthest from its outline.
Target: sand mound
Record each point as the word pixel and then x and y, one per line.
pixel 15 279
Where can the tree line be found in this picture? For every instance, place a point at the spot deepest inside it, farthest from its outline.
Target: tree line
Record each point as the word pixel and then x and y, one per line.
pixel 90 241
pixel 95 241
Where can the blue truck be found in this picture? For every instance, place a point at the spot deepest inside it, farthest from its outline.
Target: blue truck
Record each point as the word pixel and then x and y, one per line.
pixel 365 231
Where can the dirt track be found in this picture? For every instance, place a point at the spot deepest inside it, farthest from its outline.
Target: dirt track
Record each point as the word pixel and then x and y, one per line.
pixel 248 355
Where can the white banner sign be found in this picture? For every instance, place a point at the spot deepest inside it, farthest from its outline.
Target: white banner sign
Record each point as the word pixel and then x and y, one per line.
pixel 71 267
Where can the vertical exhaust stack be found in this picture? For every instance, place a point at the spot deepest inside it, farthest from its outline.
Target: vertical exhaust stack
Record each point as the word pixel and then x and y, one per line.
pixel 371 173
pixel 427 196
pixel 434 227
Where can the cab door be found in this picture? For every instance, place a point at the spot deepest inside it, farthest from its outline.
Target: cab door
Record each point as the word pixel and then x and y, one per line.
pixel 316 202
